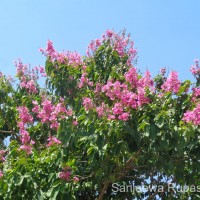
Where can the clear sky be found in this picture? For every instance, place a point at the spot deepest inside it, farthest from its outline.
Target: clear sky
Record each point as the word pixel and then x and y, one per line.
pixel 166 32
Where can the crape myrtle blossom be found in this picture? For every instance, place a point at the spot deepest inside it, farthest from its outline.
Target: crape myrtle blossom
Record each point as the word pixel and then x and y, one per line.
pixel 102 110
pixel 75 122
pixel 193 116
pixel 84 81
pixel 52 140
pixel 71 58
pixel 76 179
pixel 172 84
pixel 124 116
pixel 146 82
pixel 26 77
pixel 65 174
pixel 195 69
pixel 49 113
pixel 87 103
pixel 25 118
pixel 1 174
pixel 121 44
pixel 163 71
pixel 41 70
pixel 126 97
pixel 2 158
pixel 195 94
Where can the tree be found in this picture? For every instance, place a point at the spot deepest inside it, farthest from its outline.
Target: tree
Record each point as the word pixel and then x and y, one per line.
pixel 98 127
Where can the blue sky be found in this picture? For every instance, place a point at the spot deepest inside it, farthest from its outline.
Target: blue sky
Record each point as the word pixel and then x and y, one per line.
pixel 166 33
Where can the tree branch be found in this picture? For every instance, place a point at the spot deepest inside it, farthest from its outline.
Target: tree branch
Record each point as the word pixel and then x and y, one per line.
pixel 105 186
pixel 12 133
pixel 1 131
pixel 127 166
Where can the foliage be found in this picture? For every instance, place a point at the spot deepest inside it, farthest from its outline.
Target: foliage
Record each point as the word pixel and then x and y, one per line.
pixel 98 122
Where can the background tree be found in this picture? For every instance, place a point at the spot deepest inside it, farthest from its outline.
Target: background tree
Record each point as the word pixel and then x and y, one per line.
pixel 98 123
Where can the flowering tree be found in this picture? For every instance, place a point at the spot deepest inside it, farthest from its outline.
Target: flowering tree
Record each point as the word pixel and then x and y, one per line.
pixel 97 126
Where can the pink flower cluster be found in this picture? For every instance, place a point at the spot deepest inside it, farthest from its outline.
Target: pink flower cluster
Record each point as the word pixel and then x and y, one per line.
pixel 119 42
pixel 132 77
pixel 2 158
pixel 75 123
pixel 102 110
pixel 87 103
pixel 49 51
pixel 193 116
pixel 124 97
pixel 145 82
pixel 195 94
pixel 72 58
pixel 41 70
pixel 65 175
pixel 49 113
pixel 76 179
pixel 195 69
pixel 1 174
pixel 172 84
pixel 25 118
pixel 84 81
pixel 52 140
pixel 163 71
pixel 27 78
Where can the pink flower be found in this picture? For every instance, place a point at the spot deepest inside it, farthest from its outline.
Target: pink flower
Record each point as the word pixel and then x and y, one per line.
pixel 98 42
pixel 117 109
pixel 55 125
pixel 49 51
pixel 2 158
pixel 124 116
pixel 26 148
pixel 53 141
pixel 100 111
pixel 195 69
pixel 195 94
pixel 132 77
pixel 75 123
pixel 30 86
pixel 146 81
pixel 65 175
pixel 118 42
pixel 1 174
pixel 172 84
pixel 49 113
pixel 74 59
pixel 27 77
pixel 69 112
pixel 163 71
pixel 24 115
pixel 84 81
pixel 111 117
pixel 193 116
pixel 87 103
pixel 109 33
pixel 76 179
pixel 25 136
pixel 98 88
